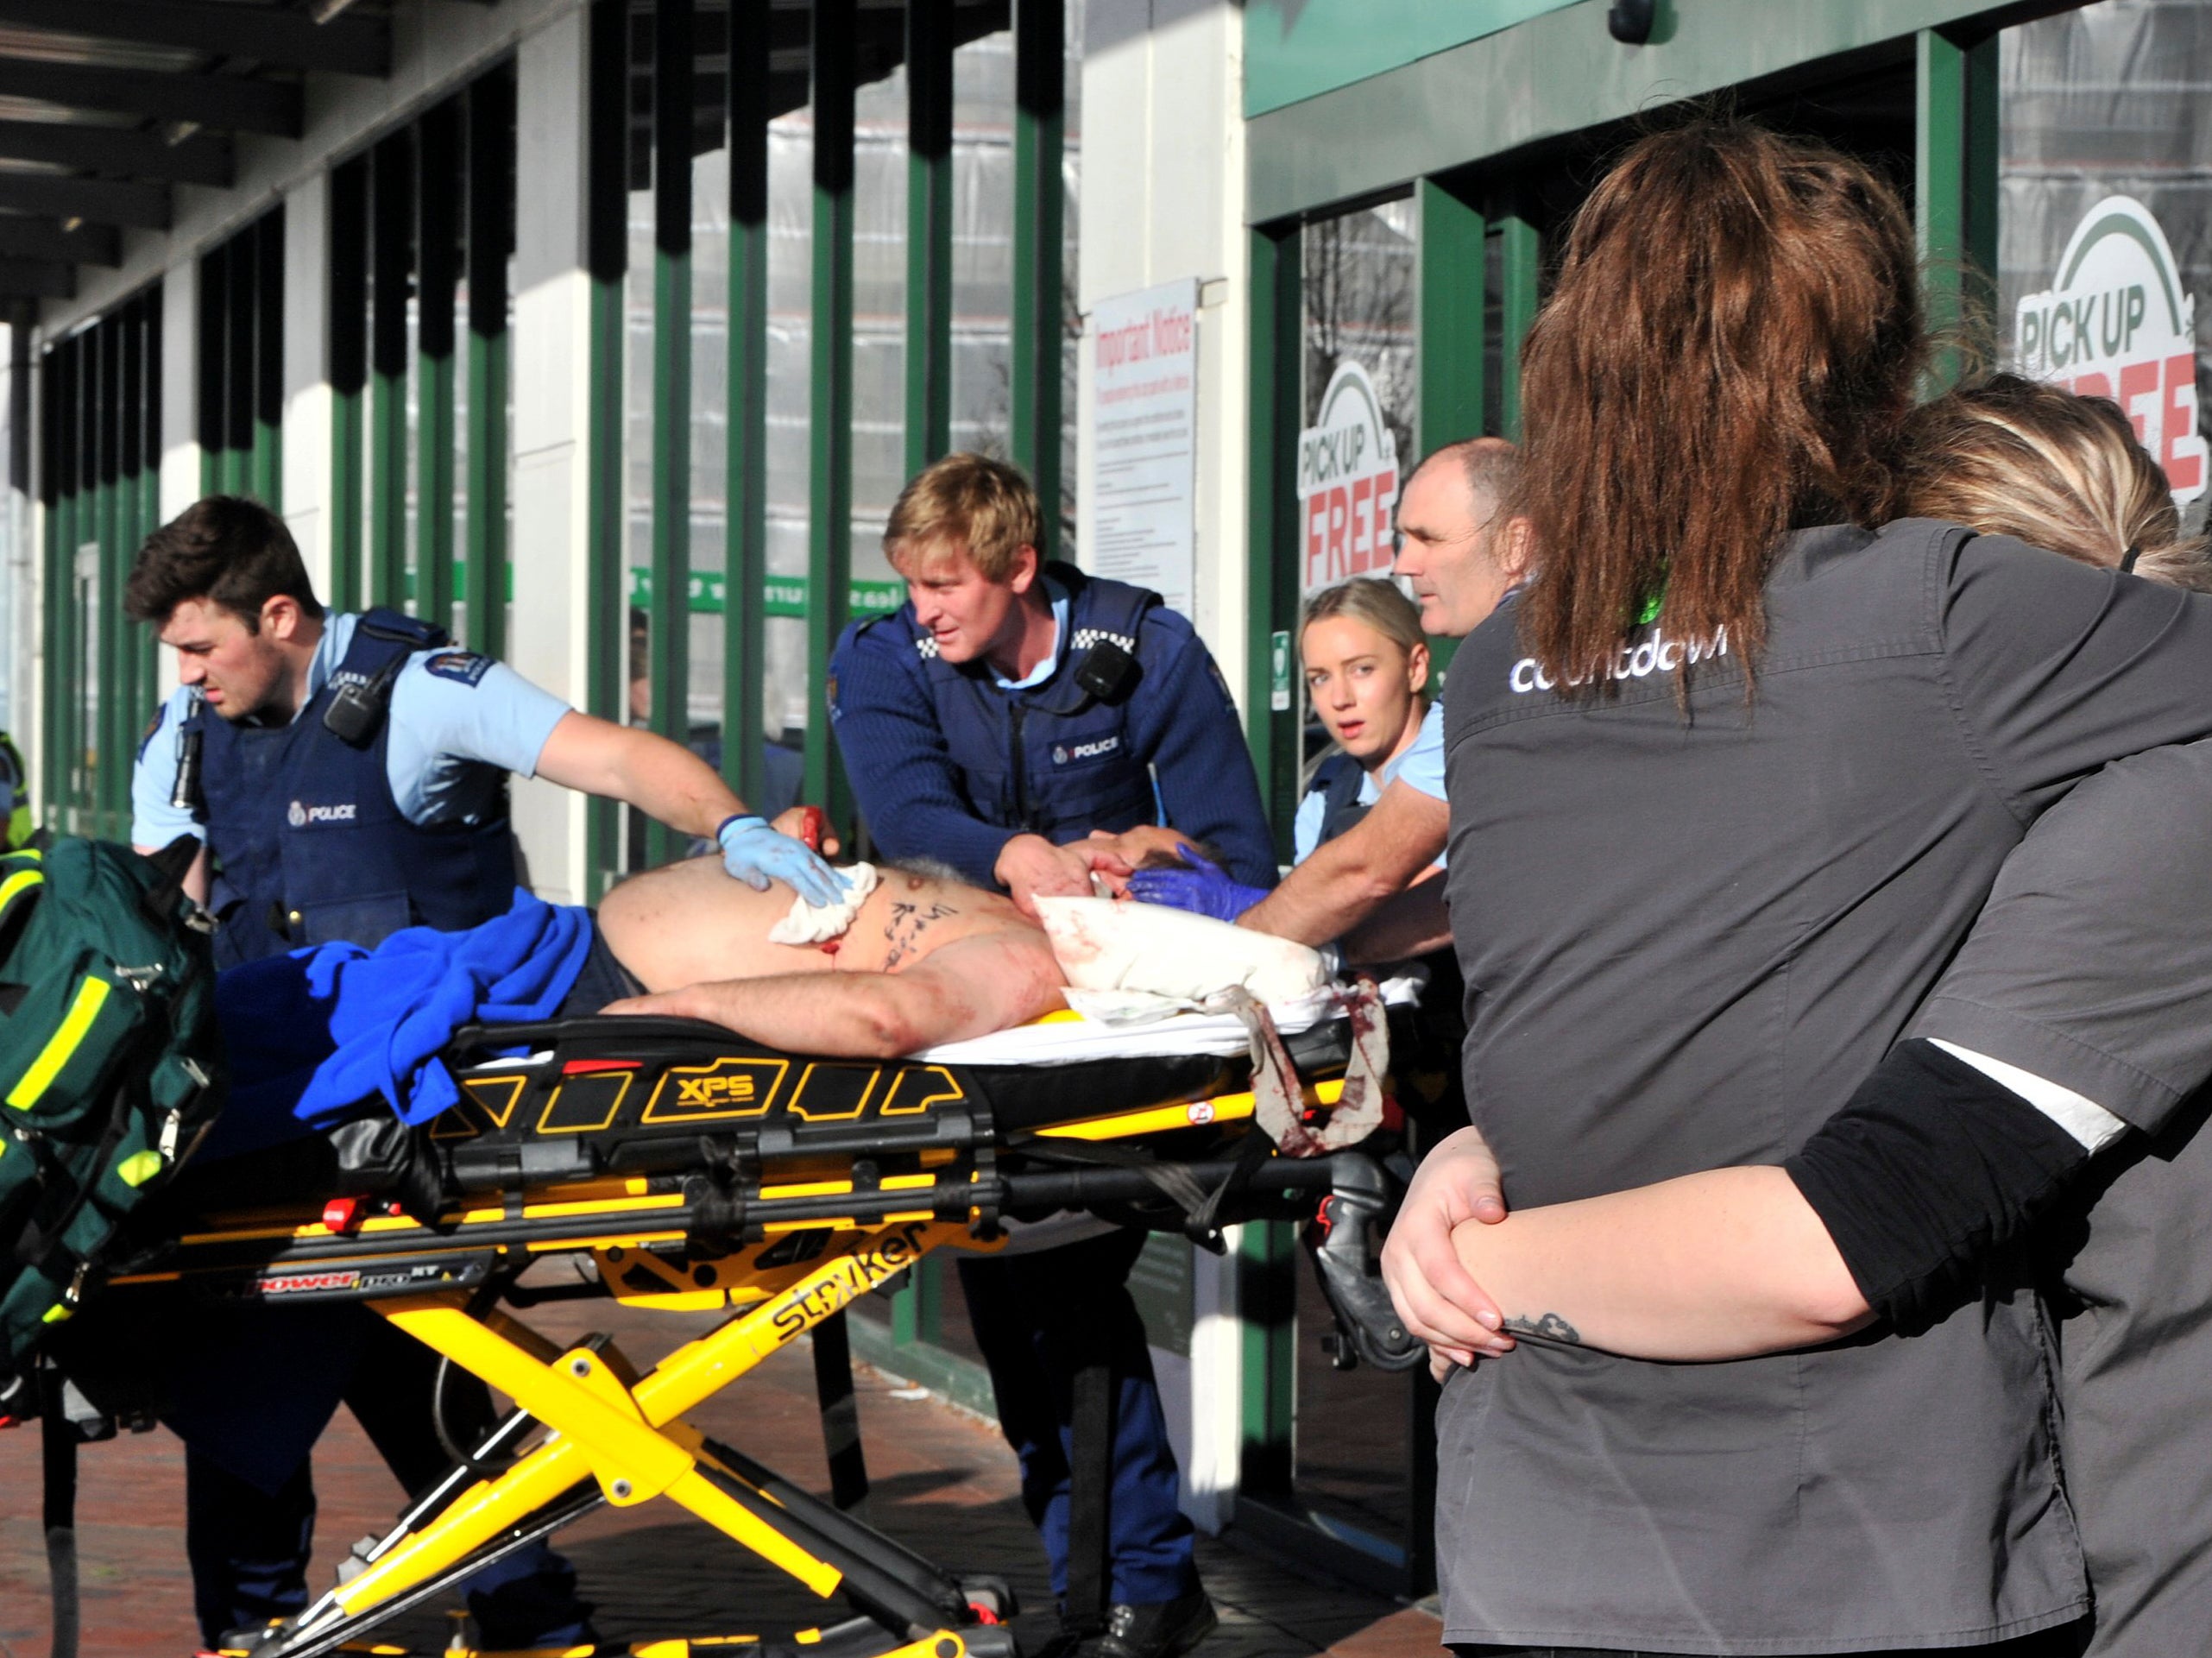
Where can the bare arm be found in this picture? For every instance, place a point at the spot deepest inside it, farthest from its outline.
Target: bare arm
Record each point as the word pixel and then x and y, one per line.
pixel 969 988
pixel 1412 923
pixel 1345 880
pixel 1723 1265
pixel 662 779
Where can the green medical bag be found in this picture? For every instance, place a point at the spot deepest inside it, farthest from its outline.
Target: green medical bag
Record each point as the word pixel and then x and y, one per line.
pixel 110 1060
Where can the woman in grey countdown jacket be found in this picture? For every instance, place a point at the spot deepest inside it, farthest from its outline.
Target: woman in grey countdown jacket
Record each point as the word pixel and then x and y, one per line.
pixel 1729 780
pixel 2081 1005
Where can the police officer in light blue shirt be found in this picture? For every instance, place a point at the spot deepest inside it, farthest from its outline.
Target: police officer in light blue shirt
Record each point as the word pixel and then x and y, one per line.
pixel 347 775
pixel 349 772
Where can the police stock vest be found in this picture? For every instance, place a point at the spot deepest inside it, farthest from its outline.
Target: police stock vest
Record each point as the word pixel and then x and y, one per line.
pixel 1338 782
pixel 1056 760
pixel 309 844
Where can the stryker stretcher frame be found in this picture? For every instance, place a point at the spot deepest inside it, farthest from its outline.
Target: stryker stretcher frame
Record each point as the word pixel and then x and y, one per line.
pixel 701 1171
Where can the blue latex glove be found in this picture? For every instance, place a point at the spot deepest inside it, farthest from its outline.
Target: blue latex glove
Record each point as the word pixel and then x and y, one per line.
pixel 1204 889
pixel 757 854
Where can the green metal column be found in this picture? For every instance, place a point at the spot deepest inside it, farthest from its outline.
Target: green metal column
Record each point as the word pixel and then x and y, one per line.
pixel 1448 334
pixel 1522 268
pixel 211 396
pixel 146 648
pixel 111 782
pixel 349 323
pixel 607 258
pixel 745 551
pixel 1267 1302
pixel 133 695
pixel 917 1304
pixel 52 612
pixel 392 265
pixel 68 678
pixel 267 474
pixel 1040 83
pixel 438 281
pixel 1271 558
pixel 484 588
pixel 239 382
pixel 829 422
pixel 1954 187
pixel 929 231
pixel 1448 318
pixel 671 390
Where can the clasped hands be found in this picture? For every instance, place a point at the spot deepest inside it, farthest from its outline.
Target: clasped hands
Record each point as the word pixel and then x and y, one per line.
pixel 1457 1184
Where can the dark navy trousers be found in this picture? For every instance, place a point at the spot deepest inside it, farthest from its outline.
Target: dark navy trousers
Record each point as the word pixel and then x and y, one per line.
pixel 1035 1318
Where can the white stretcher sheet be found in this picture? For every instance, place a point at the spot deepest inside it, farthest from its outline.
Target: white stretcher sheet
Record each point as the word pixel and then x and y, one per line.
pixel 1121 1025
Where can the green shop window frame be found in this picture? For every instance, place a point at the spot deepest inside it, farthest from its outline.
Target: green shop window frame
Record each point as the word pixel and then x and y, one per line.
pixel 421 210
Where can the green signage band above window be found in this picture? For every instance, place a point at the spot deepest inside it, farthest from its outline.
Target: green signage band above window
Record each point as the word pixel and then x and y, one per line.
pixel 1297 49
pixel 781 595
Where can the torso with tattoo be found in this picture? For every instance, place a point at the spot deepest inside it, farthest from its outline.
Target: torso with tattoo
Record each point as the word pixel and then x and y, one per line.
pixel 690 923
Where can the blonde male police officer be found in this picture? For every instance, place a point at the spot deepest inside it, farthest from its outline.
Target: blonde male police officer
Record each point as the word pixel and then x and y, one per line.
pixel 347 775
pixel 1007 709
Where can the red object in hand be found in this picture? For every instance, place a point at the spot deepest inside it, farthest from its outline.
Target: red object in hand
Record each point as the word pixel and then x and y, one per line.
pixel 812 822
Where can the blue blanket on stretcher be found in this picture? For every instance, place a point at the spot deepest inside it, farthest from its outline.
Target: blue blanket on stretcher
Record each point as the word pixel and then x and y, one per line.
pixel 314 1034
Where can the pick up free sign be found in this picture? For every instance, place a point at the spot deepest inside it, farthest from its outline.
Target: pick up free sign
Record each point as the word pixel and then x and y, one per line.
pixel 1347 483
pixel 2118 323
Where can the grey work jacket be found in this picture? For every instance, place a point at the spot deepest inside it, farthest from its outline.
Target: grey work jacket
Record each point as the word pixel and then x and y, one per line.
pixel 2091 966
pixel 1685 940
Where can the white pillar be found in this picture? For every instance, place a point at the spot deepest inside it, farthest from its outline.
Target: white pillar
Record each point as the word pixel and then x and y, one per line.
pixel 306 482
pixel 551 357
pixel 179 477
pixel 1162 81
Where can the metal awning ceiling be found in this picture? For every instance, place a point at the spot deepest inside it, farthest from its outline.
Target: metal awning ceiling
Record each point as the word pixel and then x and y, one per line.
pixel 106 105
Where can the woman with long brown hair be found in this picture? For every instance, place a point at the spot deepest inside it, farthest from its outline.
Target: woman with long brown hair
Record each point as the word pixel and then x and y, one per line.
pixel 1730 779
pixel 2080 1007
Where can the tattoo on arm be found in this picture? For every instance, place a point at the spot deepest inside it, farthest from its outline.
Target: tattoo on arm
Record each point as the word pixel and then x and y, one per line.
pixel 903 930
pixel 1550 1327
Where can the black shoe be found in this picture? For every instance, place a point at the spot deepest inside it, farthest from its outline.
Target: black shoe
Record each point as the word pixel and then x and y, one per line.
pixel 1160 1629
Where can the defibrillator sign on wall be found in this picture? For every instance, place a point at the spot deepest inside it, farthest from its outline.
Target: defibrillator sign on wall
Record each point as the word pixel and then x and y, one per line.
pixel 1347 484
pixel 2117 322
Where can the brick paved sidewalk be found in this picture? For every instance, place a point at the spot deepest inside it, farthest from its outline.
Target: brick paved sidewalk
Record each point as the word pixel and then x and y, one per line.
pixel 943 1482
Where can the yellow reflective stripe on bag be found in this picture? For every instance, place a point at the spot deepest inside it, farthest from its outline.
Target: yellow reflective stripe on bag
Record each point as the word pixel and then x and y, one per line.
pixel 61 1047
pixel 13 887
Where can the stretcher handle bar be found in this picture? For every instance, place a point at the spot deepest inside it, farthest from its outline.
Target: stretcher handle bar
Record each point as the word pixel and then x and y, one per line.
pixel 623 1030
pixel 920 1573
pixel 1076 1188
pixel 306 1638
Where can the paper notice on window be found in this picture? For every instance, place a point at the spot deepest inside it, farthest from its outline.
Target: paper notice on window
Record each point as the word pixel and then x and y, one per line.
pixel 1139 515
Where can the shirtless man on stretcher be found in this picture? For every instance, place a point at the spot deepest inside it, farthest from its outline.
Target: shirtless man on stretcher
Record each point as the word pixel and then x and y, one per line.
pixel 925 959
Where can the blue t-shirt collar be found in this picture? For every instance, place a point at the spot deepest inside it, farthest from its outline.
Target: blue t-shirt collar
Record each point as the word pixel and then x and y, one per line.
pixel 1051 665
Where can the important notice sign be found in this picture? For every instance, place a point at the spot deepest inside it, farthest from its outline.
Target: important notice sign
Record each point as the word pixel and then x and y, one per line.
pixel 1139 512
pixel 1347 484
pixel 2117 322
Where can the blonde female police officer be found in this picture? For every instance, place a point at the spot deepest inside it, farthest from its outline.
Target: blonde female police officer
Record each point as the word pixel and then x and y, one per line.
pixel 348 774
